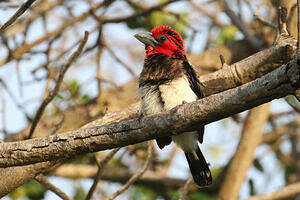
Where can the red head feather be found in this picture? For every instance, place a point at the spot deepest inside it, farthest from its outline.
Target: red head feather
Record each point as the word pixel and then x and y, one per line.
pixel 171 45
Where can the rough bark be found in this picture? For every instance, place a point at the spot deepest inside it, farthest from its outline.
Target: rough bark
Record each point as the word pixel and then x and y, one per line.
pixel 241 72
pixel 276 84
pixel 126 93
pixel 20 175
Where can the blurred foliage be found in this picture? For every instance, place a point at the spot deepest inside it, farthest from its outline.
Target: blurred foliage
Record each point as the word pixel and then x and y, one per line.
pixel 157 18
pixel 143 193
pixel 73 87
pixel 201 196
pixel 73 91
pixel 288 171
pixel 89 160
pixel 226 35
pixel 79 193
pixel 32 190
pixel 174 194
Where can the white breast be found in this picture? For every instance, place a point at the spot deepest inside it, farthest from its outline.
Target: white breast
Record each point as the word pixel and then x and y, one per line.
pixel 151 102
pixel 175 92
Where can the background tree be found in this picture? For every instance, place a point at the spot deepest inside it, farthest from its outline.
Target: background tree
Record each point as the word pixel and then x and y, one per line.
pixel 55 78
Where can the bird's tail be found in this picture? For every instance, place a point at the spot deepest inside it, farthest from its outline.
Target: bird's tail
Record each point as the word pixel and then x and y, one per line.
pixel 199 167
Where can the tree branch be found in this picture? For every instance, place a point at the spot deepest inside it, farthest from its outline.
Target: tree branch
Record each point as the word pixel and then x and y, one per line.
pixel 53 93
pixel 253 41
pixel 19 12
pixel 248 69
pixel 238 73
pixel 276 84
pixel 283 193
pixel 43 180
pixel 137 175
pixel 101 165
pixel 244 155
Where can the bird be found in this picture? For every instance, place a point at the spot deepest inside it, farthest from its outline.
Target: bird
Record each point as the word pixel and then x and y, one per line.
pixel 166 81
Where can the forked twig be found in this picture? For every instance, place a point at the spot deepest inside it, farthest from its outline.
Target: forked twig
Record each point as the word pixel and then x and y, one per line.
pixel 101 165
pixel 43 180
pixel 136 175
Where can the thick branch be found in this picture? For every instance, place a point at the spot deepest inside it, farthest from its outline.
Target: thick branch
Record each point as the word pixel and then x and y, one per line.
pixel 255 66
pixel 237 74
pixel 20 175
pixel 276 84
pixel 242 160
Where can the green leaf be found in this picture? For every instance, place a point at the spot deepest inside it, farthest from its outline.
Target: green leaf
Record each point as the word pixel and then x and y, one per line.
pixel 32 190
pixel 226 35
pixel 144 193
pixel 85 97
pixel 73 87
pixel 288 170
pixel 201 196
pixel 79 193
pixel 158 18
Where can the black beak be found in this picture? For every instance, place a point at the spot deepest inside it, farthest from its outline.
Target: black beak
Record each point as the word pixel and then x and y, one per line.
pixel 146 38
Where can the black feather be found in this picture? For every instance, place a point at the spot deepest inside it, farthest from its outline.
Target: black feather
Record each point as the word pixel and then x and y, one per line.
pixel 195 86
pixel 199 168
pixel 193 79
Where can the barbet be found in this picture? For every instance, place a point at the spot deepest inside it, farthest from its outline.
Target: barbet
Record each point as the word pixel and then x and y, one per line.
pixel 168 80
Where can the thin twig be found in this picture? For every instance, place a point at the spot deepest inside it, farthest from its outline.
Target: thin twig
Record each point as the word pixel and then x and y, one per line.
pixel 185 188
pixel 53 93
pixel 114 55
pixel 136 175
pixel 251 39
pixel 17 14
pixel 43 180
pixel 101 165
pixel 14 99
pixel 283 193
pixel 266 23
pixel 282 20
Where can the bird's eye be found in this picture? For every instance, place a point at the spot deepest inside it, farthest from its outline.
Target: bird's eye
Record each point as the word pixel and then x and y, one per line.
pixel 162 38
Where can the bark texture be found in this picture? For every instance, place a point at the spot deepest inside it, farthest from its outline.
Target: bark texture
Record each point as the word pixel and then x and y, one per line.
pixel 274 85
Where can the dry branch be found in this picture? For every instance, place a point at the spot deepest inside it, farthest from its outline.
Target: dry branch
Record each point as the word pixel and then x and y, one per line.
pixel 137 175
pixel 238 73
pixel 101 165
pixel 276 84
pixel 253 41
pixel 185 189
pixel 244 155
pixel 255 66
pixel 43 180
pixel 287 191
pixel 16 176
pixel 19 12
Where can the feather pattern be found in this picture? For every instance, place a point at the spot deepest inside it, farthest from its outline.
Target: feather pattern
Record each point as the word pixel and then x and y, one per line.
pixel 168 80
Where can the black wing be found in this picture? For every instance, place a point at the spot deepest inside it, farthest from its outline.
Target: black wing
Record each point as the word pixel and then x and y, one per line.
pixel 193 79
pixel 195 86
